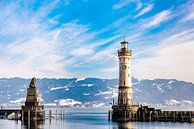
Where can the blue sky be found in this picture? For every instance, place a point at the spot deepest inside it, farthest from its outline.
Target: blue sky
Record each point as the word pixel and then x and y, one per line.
pixel 80 38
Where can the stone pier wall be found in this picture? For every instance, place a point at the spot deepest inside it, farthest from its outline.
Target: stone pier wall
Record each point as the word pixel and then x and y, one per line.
pixel 146 114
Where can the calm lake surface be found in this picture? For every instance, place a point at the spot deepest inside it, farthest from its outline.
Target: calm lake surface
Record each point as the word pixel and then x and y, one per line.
pixel 89 119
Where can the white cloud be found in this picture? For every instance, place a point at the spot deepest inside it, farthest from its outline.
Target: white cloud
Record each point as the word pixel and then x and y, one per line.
pixel 158 19
pixel 145 10
pixel 37 50
pixel 171 58
pixel 81 51
pixel 190 15
pixel 183 35
pixel 139 5
pixel 34 48
pixel 123 3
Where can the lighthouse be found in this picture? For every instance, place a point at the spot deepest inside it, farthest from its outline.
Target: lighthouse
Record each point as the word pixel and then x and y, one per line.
pixel 124 109
pixel 125 83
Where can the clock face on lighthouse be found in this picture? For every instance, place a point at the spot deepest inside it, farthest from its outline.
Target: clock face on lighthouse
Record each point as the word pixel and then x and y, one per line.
pixel 124 67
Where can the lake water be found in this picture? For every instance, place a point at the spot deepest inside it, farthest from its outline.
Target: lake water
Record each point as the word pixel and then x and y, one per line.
pixel 90 119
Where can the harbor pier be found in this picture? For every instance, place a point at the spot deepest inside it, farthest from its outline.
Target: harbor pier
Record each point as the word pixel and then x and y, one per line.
pixel 146 114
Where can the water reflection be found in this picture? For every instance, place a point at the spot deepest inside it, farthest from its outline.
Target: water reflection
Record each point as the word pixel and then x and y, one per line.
pixel 66 124
pixel 88 120
pixel 32 124
pixel 126 125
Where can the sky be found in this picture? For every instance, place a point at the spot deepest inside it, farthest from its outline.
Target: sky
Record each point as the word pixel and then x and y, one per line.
pixel 80 38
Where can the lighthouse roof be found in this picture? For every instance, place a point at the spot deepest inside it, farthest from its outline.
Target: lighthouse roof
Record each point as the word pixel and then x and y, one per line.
pixel 124 42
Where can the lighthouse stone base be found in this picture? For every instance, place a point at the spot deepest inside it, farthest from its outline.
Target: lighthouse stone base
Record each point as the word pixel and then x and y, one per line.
pixel 124 112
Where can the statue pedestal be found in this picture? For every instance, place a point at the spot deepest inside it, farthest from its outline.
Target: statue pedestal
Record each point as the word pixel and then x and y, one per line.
pixel 32 109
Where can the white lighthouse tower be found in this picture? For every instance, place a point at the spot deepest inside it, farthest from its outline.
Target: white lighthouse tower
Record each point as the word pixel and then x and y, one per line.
pixel 124 110
pixel 125 83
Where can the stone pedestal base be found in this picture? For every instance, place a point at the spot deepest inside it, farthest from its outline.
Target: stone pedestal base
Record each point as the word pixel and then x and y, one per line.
pixel 37 113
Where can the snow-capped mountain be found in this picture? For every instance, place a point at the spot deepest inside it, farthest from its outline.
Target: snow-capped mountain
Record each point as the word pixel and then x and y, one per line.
pixel 95 92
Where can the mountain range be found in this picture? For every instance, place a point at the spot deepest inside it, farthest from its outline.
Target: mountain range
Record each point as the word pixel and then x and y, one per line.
pixel 96 92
